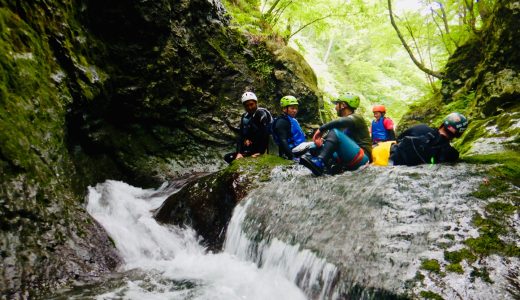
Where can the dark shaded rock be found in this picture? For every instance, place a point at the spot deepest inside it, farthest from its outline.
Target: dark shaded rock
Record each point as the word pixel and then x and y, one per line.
pixel 176 74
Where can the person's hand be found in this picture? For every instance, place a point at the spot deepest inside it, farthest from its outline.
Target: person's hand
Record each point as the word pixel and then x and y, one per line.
pixel 248 143
pixel 239 156
pixel 256 155
pixel 317 138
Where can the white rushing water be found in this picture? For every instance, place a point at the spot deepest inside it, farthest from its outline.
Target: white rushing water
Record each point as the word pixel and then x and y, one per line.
pixel 313 274
pixel 175 264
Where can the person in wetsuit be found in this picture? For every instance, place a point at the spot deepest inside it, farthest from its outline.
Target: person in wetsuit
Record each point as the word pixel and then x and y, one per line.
pixel 347 145
pixel 382 128
pixel 287 132
pixel 422 144
pixel 253 137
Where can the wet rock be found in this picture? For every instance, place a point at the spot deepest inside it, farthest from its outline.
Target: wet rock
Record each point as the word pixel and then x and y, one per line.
pixel 206 204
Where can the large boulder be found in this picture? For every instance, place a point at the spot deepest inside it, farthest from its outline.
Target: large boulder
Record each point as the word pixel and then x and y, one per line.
pixel 206 204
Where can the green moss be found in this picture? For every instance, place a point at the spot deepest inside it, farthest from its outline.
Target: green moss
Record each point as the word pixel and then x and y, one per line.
pixel 215 44
pixel 262 164
pixel 456 257
pixel 509 168
pixel 430 295
pixel 455 268
pixel 431 265
pixel 490 188
pixel 504 209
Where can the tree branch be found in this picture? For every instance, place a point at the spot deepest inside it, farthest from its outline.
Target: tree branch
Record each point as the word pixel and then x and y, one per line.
pixel 310 23
pixel 407 48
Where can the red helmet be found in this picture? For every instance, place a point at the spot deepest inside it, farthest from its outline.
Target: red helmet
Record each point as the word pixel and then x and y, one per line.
pixel 379 108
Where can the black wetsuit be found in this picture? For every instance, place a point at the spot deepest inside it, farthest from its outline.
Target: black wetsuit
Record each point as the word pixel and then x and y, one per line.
pixel 255 128
pixel 421 144
pixel 282 129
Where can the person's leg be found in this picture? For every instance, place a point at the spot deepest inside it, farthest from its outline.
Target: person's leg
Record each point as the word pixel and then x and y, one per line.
pixel 317 163
pixel 351 155
pixel 329 145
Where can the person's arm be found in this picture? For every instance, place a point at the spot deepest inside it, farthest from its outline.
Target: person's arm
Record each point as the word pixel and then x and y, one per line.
pixel 283 131
pixel 389 127
pixel 262 136
pixel 344 122
pixel 449 154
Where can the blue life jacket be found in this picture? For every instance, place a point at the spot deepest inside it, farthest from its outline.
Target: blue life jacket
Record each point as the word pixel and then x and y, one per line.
pixel 378 130
pixel 297 136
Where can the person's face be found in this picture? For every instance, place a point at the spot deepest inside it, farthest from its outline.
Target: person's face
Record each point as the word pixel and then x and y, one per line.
pixel 448 132
pixel 340 108
pixel 250 106
pixel 291 110
pixel 377 115
pixel 452 132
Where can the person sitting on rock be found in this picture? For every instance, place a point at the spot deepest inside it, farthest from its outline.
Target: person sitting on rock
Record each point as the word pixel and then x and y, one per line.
pixel 287 133
pixel 347 145
pixel 421 144
pixel 253 137
pixel 382 128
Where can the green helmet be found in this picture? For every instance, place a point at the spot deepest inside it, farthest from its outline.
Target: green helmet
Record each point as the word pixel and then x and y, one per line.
pixel 349 98
pixel 457 121
pixel 288 100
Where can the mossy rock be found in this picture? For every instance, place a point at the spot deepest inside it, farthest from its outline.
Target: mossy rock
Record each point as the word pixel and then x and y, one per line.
pixel 207 202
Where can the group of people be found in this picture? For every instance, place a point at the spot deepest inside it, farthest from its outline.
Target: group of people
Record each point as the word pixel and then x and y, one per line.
pixel 346 143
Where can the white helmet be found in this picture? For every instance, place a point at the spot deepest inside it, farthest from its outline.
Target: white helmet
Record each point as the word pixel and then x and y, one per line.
pixel 249 96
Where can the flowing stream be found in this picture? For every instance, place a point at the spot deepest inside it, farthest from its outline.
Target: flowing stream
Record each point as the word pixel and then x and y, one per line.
pixel 357 235
pixel 167 262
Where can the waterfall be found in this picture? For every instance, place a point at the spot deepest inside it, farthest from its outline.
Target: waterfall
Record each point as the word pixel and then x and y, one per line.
pixel 167 262
pixel 313 274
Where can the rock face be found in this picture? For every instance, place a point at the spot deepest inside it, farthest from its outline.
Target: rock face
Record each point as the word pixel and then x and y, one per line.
pixel 128 90
pixel 489 65
pixel 176 77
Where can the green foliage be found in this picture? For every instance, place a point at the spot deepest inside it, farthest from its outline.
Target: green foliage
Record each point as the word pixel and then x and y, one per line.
pixel 245 16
